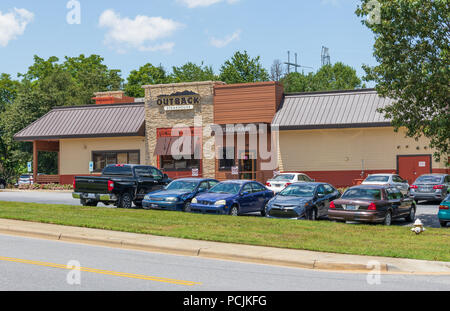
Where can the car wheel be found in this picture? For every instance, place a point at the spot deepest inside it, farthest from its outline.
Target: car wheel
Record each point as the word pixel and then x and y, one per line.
pixel 443 224
pixel 83 202
pixel 388 218
pixel 92 203
pixel 412 215
pixel 234 211
pixel 312 214
pixel 138 204
pixel 125 201
pixel 187 207
pixel 263 212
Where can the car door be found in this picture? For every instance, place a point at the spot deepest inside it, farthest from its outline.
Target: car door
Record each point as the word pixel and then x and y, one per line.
pixel 395 201
pixel 323 200
pixel 246 198
pixel 259 194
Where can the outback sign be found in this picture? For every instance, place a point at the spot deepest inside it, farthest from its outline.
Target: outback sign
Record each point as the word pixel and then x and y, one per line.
pixel 179 101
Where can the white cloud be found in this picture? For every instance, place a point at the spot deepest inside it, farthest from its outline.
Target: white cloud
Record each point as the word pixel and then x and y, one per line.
pixel 139 33
pixel 203 3
pixel 220 43
pixel 13 24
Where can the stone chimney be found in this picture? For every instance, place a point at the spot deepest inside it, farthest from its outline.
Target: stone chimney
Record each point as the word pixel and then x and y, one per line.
pixel 112 97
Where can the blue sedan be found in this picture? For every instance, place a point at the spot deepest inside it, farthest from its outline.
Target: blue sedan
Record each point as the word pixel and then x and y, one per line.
pixel 178 194
pixel 302 201
pixel 233 197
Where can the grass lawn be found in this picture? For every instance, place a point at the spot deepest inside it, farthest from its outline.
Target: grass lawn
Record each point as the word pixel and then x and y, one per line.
pixel 325 236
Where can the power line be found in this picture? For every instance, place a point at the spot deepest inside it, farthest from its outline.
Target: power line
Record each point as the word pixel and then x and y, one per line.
pixel 295 65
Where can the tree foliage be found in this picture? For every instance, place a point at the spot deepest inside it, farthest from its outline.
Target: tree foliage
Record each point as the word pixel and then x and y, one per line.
pixel 241 68
pixel 191 72
pixel 327 78
pixel 412 49
pixel 145 75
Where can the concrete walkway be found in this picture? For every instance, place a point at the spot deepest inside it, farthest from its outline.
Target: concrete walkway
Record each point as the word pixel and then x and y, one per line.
pixel 236 252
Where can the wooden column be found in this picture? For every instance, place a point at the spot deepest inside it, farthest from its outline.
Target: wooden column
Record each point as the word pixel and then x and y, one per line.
pixel 35 160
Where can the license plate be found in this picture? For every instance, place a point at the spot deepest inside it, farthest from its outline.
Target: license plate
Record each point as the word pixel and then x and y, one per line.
pixel 154 205
pixel 90 196
pixel 277 186
pixel 350 207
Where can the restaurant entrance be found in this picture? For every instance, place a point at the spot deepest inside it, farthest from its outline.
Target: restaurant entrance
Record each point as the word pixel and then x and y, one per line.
pixel 247 165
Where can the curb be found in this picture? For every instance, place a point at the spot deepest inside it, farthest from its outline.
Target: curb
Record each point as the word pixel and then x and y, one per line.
pixel 38 190
pixel 269 256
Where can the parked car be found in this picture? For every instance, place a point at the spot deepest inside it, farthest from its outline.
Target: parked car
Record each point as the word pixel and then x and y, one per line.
pixel 431 187
pixel 302 201
pixel 120 184
pixel 178 194
pixel 2 183
pixel 388 180
pixel 444 212
pixel 281 181
pixel 25 179
pixel 371 203
pixel 233 197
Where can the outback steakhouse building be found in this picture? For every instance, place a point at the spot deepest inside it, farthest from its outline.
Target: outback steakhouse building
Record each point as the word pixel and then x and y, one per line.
pixel 336 136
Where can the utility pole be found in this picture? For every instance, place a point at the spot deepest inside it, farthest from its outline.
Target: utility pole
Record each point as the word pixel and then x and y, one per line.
pixel 295 65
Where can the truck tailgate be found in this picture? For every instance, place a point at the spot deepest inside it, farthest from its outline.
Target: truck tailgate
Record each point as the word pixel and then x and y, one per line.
pixel 91 184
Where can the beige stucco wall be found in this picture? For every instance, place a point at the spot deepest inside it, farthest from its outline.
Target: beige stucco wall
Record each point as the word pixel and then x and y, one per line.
pixel 156 117
pixel 75 154
pixel 344 149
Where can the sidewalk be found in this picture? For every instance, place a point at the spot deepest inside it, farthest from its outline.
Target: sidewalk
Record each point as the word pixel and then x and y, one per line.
pixel 38 190
pixel 236 252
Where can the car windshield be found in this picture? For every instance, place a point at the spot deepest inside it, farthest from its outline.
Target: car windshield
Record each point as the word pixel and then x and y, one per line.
pixel 229 188
pixel 283 177
pixel 298 191
pixel 377 178
pixel 182 185
pixel 363 194
pixel 429 179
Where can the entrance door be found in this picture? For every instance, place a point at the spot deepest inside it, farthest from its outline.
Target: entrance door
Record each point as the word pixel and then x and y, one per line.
pixel 411 167
pixel 247 165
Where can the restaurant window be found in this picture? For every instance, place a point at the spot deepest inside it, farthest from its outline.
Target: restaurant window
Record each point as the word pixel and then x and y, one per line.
pixel 168 163
pixel 103 158
pixel 226 162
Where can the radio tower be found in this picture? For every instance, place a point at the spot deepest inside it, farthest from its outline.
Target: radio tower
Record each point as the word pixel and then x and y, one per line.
pixel 326 60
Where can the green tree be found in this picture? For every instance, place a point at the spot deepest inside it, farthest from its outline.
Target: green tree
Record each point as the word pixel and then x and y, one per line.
pixel 191 72
pixel 412 50
pixel 146 75
pixel 241 68
pixel 330 77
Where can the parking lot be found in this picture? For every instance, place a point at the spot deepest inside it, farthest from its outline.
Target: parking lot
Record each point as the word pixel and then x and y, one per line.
pixel 426 211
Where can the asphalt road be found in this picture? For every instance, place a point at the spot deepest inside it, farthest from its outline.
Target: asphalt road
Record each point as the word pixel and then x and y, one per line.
pixel 34 264
pixel 427 212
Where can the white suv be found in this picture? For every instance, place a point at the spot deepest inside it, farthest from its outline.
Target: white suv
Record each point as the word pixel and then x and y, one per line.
pixel 281 181
pixel 388 180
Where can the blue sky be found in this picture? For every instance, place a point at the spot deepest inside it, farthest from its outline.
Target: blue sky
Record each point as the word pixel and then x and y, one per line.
pixel 173 32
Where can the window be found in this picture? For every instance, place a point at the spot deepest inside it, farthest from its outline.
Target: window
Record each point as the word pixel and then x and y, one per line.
pixel 397 179
pixel 227 161
pixel 103 158
pixel 377 178
pixel 247 188
pixel 203 185
pixel 212 183
pixel 328 189
pixel 362 193
pixel 118 171
pixel 149 172
pixel 321 190
pixel 257 187
pixel 393 194
pixel 284 177
pixel 168 163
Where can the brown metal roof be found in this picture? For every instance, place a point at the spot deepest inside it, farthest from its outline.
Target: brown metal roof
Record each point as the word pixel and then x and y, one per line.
pixel 87 121
pixel 335 109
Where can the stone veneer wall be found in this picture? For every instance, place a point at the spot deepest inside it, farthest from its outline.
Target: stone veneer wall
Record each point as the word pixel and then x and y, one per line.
pixel 156 117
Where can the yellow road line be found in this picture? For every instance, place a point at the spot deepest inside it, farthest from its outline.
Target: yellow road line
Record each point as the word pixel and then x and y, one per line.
pixel 98 271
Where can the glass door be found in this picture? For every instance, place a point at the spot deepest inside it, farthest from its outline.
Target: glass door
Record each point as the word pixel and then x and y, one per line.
pixel 247 165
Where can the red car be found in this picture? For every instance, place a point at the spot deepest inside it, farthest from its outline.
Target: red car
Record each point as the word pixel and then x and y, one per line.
pixel 375 204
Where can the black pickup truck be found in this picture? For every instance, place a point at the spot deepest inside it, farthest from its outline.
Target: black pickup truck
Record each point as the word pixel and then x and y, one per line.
pixel 120 185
